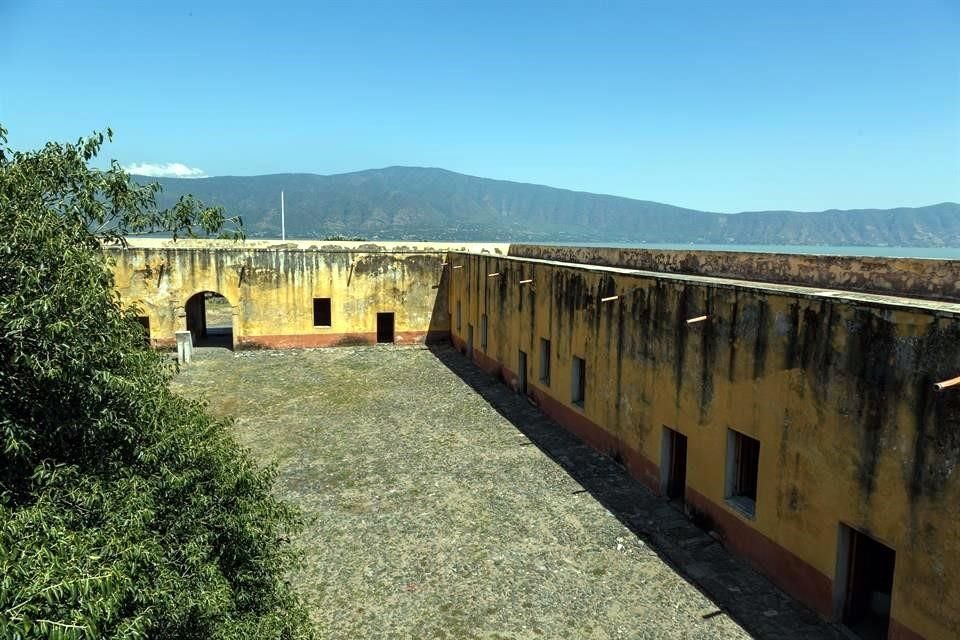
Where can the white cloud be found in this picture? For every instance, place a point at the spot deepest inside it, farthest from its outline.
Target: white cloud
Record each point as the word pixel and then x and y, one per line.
pixel 164 170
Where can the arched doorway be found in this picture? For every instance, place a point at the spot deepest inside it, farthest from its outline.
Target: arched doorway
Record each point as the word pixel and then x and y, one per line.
pixel 210 320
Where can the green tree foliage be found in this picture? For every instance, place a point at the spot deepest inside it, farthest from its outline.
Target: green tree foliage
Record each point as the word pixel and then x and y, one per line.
pixel 125 511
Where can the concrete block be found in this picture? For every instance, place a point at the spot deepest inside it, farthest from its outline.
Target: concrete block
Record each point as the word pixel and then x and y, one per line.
pixel 184 347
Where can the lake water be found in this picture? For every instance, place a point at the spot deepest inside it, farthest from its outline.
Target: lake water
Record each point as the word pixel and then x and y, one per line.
pixel 942 253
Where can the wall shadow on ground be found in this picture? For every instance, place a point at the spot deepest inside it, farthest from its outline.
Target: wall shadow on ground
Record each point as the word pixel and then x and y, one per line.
pixel 737 591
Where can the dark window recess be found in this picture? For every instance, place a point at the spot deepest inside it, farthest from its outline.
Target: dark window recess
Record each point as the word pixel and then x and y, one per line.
pixel 458 315
pixel 522 371
pixel 743 466
pixel 544 362
pixel 578 390
pixel 385 327
pixel 321 312
pixel 483 332
pixel 145 323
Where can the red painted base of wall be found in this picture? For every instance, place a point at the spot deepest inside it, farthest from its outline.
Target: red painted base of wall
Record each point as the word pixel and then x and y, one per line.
pixel 798 578
pixel 488 364
pixel 639 467
pixel 791 574
pixel 898 631
pixel 308 341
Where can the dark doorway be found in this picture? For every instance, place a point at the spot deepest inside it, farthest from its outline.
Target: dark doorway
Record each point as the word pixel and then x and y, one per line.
pixel 210 320
pixel 674 461
pixel 868 584
pixel 385 327
pixel 522 371
pixel 469 340
pixel 145 323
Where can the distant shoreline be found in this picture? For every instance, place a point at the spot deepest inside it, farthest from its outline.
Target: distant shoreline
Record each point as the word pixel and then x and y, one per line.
pixel 939 253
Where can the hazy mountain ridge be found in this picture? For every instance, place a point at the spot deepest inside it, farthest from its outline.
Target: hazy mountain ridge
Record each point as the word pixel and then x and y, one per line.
pixel 425 203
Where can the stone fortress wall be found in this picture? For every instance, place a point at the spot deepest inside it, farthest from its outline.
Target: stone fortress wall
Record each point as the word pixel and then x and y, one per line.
pixel 800 422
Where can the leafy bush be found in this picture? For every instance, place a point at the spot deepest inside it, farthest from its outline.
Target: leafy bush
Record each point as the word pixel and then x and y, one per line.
pixel 125 511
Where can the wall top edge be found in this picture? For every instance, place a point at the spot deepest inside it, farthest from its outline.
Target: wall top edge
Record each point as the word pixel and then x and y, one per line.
pixel 384 246
pixel 843 296
pixel 519 248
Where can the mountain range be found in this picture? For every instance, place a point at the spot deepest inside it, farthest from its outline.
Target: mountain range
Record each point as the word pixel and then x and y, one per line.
pixel 414 203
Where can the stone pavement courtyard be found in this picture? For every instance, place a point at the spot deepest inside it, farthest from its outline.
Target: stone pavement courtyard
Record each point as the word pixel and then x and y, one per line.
pixel 442 505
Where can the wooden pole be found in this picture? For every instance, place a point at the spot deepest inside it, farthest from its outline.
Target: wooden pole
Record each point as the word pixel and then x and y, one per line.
pixel 697 319
pixel 526 281
pixel 493 275
pixel 609 299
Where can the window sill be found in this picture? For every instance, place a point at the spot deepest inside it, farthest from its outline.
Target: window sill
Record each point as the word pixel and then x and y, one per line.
pixel 744 506
pixel 323 326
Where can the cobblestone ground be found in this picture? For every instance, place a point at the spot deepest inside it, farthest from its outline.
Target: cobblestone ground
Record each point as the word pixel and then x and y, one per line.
pixel 441 505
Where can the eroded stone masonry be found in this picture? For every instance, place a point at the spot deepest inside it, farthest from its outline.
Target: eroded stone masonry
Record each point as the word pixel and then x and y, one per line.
pixel 789 403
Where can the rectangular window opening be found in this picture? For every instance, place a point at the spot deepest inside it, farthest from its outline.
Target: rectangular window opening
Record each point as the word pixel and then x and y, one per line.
pixel 578 388
pixel 483 332
pixel 321 312
pixel 743 467
pixel 544 362
pixel 458 315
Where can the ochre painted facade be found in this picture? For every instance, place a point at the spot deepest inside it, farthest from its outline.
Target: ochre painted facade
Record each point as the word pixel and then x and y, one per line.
pixel 271 287
pixel 836 387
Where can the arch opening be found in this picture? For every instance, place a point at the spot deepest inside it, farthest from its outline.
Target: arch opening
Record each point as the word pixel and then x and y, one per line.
pixel 210 319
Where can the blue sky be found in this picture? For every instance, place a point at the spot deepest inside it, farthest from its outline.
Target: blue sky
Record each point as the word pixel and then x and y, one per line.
pixel 723 106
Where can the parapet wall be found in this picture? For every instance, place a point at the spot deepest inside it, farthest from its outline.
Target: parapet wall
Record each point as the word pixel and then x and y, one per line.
pixel 910 277
pixel 270 287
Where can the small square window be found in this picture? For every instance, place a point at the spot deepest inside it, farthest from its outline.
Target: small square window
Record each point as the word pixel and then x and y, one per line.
pixel 743 467
pixel 483 332
pixel 321 312
pixel 544 362
pixel 578 386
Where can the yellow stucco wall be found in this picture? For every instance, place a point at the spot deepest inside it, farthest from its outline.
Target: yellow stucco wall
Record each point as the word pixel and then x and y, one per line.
pixel 271 287
pixel 836 387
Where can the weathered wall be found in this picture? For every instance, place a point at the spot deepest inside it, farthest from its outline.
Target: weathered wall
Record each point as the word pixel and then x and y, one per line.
pixel 271 287
pixel 837 389
pixel 923 278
